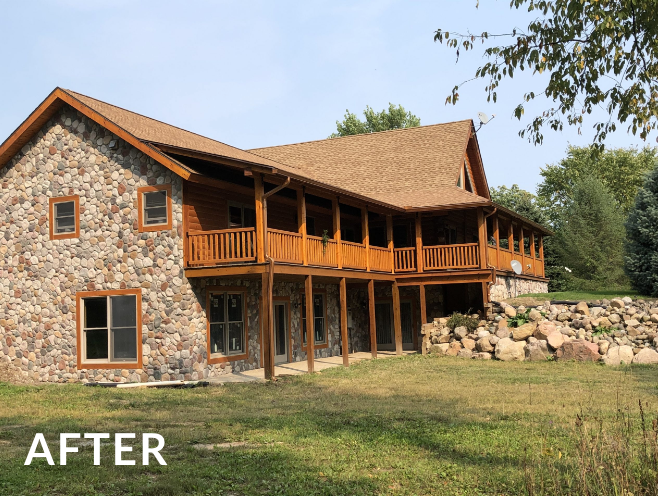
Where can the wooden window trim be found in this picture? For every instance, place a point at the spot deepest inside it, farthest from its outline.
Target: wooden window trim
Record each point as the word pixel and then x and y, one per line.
pixel 304 347
pixel 140 208
pixel 80 295
pixel 51 217
pixel 212 360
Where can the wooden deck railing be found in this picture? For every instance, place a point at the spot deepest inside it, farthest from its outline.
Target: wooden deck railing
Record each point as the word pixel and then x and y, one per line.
pixel 405 259
pixel 318 254
pixel 354 255
pixel 506 257
pixel 380 259
pixel 464 256
pixel 285 246
pixel 227 245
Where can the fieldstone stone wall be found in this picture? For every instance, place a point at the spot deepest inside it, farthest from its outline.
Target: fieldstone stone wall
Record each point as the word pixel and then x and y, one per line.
pixel 510 287
pixel 39 277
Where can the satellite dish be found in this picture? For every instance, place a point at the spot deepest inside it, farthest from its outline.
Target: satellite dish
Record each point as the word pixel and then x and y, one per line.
pixel 484 118
pixel 516 266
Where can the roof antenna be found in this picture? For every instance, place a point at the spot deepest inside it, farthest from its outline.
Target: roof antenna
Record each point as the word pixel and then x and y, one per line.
pixel 484 119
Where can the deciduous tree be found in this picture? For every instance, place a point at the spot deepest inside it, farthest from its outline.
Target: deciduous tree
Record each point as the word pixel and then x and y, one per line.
pixel 394 118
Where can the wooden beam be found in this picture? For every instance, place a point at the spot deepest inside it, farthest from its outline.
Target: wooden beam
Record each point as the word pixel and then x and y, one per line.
pixel 522 249
pixel 260 225
pixel 301 222
pixel 541 255
pixel 389 238
pixel 496 229
pixel 343 321
pixel 397 321
pixel 310 331
pixel 482 237
pixel 266 350
pixel 423 304
pixel 365 234
pixel 510 239
pixel 532 253
pixel 485 297
pixel 337 236
pixel 371 320
pixel 419 244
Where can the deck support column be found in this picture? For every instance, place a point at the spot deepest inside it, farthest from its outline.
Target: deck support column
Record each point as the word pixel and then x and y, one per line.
pixel 522 249
pixel 389 238
pixel 533 255
pixel 343 321
pixel 397 321
pixel 482 238
pixel 301 223
pixel 371 321
pixel 541 255
pixel 337 237
pixel 365 234
pixel 310 328
pixel 423 305
pixel 496 229
pixel 419 244
pixel 267 349
pixel 510 240
pixel 260 224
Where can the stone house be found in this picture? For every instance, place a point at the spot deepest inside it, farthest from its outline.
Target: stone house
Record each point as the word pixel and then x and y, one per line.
pixel 132 250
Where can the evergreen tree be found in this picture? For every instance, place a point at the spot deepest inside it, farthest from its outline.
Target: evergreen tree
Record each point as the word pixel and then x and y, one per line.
pixel 642 238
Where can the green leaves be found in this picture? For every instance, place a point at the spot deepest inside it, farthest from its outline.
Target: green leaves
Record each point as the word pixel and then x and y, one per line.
pixel 599 53
pixel 394 118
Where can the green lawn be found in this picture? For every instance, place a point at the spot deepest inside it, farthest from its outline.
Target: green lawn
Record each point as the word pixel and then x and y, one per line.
pixel 576 296
pixel 414 425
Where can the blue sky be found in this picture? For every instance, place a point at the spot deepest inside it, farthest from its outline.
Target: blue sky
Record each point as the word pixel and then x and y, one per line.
pixel 260 73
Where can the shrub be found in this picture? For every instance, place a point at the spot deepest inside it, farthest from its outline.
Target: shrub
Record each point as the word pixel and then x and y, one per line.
pixel 459 320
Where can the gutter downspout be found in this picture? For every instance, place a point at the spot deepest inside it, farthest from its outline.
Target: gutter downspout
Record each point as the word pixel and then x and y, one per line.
pixel 270 271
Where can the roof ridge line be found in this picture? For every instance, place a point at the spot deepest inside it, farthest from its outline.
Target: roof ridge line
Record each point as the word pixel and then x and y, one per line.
pixel 362 134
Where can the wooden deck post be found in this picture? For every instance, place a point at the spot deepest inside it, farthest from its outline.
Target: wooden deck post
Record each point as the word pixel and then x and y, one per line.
pixel 310 327
pixel 371 321
pixel 482 238
pixel 510 240
pixel 532 253
pixel 522 249
pixel 541 255
pixel 260 224
pixel 496 229
pixel 301 223
pixel 343 321
pixel 267 349
pixel 337 237
pixel 419 244
pixel 423 305
pixel 389 238
pixel 397 321
pixel 365 234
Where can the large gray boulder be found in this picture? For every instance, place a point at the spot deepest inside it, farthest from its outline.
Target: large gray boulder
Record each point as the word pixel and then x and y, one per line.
pixel 536 351
pixel 579 350
pixel 646 356
pixel 484 345
pixel 509 350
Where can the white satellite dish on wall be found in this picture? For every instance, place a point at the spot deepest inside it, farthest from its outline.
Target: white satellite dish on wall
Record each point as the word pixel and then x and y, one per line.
pixel 516 266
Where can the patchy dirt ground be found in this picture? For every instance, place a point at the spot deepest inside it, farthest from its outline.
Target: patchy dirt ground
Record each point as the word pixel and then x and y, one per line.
pixel 8 374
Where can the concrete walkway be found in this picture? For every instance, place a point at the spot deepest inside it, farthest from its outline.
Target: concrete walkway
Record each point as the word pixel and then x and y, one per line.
pixel 297 368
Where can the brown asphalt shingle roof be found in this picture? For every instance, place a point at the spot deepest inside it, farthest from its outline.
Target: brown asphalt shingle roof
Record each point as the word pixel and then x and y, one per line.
pixel 414 167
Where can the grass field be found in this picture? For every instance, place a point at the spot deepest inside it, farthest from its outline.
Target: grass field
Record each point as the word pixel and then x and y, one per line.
pixel 413 425
pixel 539 298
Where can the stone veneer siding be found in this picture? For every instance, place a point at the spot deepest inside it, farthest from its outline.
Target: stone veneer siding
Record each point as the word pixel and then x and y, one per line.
pixel 39 277
pixel 505 287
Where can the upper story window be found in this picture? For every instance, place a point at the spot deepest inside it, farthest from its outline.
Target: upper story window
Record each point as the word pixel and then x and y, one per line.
pixel 319 318
pixel 154 203
pixel 109 329
pixel 65 217
pixel 227 327
pixel 240 215
pixel 310 226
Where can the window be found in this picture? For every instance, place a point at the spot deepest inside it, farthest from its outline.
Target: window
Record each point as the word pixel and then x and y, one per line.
pixel 240 216
pixel 226 324
pixel 109 329
pixel 154 204
pixel 65 217
pixel 310 226
pixel 319 319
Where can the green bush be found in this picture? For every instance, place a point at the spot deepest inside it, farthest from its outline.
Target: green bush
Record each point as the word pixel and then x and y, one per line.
pixel 459 320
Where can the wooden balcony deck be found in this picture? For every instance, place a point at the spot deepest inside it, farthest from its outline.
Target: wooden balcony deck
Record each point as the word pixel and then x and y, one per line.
pixel 233 246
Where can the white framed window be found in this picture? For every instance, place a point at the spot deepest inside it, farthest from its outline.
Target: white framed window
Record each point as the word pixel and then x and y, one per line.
pixel 226 323
pixel 319 318
pixel 110 325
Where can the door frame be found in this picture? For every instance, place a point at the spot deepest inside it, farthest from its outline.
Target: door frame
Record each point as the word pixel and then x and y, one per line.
pixel 286 301
pixel 414 319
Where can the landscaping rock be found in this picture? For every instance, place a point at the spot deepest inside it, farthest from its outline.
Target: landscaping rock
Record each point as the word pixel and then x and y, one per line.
pixel 510 311
pixel 544 329
pixel 484 345
pixel 439 349
pixel 603 347
pixel 523 332
pixel 582 308
pixel 468 344
pixel 555 339
pixel 482 356
pixel 617 303
pixel 646 356
pixel 464 353
pixel 453 348
pixel 578 350
pixel 503 333
pixel 535 315
pixel 508 350
pixel 460 332
pixel 536 351
pixel 618 355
